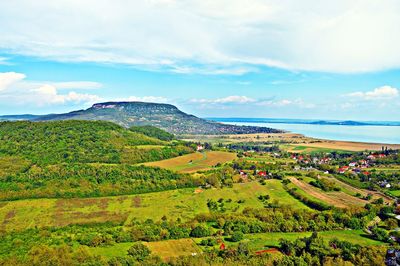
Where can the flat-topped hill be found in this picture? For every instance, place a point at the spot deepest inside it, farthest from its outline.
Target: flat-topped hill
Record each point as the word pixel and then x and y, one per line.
pixel 164 116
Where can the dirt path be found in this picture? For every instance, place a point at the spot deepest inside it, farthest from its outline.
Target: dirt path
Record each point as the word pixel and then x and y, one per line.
pixel 337 199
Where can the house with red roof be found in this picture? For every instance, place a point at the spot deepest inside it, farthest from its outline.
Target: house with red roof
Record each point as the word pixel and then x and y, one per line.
pixel 262 173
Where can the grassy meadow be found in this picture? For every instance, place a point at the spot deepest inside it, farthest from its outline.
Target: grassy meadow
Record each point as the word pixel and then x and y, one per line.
pixel 185 203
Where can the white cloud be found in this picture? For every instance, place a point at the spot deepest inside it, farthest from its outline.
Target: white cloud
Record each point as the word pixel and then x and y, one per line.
pixel 234 99
pixel 81 85
pixel 286 102
pixel 207 36
pixel 381 93
pixel 3 61
pixel 152 99
pixel 14 88
pixel 48 94
pixel 8 78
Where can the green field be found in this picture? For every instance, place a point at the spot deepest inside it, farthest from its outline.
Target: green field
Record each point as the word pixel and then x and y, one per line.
pixel 183 203
pixel 268 159
pixel 395 192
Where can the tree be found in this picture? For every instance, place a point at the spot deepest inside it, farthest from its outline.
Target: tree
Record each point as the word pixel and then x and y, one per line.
pixel 243 249
pixel 391 223
pixel 200 231
pixel 139 251
pixel 237 236
pixel 45 255
pixel 380 234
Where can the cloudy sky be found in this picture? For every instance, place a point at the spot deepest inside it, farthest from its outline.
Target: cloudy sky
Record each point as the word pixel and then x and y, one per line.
pixel 221 58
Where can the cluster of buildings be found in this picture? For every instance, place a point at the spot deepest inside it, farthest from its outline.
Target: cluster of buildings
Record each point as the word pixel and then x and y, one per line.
pixel 264 174
pixel 307 160
pixel 360 166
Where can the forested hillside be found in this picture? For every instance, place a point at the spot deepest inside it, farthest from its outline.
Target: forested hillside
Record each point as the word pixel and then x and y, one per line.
pixel 153 132
pixel 80 141
pixel 83 158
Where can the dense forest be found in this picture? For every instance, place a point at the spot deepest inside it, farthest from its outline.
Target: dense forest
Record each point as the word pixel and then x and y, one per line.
pixel 90 180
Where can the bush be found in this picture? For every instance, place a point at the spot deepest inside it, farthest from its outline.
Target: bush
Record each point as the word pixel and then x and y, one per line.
pixel 237 236
pixel 139 251
pixel 243 249
pixel 380 234
pixel 208 242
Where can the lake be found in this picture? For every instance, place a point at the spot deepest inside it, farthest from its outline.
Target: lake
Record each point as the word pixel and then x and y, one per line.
pixel 376 134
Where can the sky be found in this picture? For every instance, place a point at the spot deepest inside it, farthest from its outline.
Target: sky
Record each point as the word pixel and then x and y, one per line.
pixel 211 58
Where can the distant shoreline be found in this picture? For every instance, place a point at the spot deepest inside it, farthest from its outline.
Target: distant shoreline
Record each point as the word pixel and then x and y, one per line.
pixel 303 121
pixel 365 133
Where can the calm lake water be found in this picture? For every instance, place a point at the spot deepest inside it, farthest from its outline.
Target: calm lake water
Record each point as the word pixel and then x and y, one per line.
pixel 377 134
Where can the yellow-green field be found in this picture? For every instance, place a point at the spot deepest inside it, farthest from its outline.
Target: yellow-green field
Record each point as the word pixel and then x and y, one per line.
pixel 183 203
pixel 173 248
pixel 268 159
pixel 150 147
pixel 165 249
pixel 195 161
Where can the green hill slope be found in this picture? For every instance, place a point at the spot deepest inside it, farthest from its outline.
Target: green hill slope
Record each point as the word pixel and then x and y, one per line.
pixel 79 142
pixel 153 132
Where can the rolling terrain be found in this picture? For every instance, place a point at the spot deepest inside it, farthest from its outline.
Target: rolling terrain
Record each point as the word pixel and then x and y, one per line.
pixel 94 191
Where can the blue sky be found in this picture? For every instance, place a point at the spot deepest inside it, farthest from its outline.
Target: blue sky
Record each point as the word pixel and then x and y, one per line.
pixel 273 59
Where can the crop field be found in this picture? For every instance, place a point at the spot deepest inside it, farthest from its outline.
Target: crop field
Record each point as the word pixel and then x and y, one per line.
pixel 195 161
pixel 337 199
pixel 350 190
pixel 185 203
